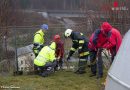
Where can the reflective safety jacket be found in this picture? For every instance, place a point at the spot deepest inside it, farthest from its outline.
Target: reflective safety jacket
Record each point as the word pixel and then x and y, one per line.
pixel 47 54
pixel 38 40
pixel 80 42
pixel 91 45
pixel 39 37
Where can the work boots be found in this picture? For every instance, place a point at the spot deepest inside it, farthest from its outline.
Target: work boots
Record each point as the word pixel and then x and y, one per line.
pixel 81 67
pixel 47 72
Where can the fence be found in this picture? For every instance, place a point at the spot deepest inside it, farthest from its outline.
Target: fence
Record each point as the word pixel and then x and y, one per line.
pixel 17 38
pixel 14 38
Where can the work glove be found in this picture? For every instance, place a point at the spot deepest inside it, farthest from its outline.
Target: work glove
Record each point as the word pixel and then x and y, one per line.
pixel 58 58
pixel 41 46
pixel 80 50
pixel 68 58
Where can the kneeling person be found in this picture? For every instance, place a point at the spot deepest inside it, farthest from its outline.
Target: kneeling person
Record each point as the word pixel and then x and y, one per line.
pixel 46 60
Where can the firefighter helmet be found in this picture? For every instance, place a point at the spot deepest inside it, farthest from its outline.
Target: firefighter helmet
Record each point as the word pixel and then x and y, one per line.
pixel 68 32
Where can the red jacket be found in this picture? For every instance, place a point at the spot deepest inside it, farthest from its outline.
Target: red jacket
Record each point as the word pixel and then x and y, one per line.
pixel 97 40
pixel 59 49
pixel 91 46
pixel 114 40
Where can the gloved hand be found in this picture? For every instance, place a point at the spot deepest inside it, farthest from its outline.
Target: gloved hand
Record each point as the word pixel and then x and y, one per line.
pixel 80 50
pixel 41 46
pixel 58 57
pixel 68 58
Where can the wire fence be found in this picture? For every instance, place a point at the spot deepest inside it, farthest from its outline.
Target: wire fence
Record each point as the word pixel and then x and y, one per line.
pixel 14 45
pixel 16 42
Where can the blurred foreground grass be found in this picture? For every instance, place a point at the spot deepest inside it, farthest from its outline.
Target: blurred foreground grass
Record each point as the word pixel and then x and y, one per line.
pixel 61 80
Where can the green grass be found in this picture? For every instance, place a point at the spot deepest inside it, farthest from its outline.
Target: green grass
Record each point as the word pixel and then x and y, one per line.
pixel 61 80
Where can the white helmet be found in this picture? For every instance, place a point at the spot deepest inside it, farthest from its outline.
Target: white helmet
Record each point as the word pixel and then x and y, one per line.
pixel 68 32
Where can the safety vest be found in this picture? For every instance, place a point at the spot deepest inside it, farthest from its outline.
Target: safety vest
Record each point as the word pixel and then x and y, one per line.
pixel 47 54
pixel 39 37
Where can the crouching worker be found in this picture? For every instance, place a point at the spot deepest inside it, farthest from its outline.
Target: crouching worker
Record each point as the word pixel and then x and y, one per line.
pixel 59 51
pixel 46 61
pixel 38 41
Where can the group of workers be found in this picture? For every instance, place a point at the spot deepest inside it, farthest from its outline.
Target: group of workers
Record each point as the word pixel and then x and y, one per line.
pixel 49 58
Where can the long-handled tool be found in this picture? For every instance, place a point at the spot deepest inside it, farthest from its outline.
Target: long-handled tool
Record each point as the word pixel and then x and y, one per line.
pixel 109 61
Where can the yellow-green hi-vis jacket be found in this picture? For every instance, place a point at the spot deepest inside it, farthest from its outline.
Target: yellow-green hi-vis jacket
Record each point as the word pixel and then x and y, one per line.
pixel 47 54
pixel 38 39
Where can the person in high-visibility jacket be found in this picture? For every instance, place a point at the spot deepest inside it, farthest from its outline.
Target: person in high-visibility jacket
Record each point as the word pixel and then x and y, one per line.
pixel 46 60
pixel 38 41
pixel 80 42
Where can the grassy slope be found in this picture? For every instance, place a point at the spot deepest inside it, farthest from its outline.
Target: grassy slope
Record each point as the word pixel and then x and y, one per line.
pixel 61 80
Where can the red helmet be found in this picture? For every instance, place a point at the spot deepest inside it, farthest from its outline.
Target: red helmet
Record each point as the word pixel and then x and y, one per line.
pixel 56 37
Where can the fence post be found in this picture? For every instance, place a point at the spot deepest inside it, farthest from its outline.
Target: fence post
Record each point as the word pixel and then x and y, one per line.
pixel 16 58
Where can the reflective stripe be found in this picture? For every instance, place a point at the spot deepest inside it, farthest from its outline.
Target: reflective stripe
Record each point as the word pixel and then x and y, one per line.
pixel 37 47
pixel 36 51
pixel 82 59
pixel 84 53
pixel 51 48
pixel 38 37
pixel 81 34
pixel 73 49
pixel 80 47
pixel 40 58
pixel 38 33
pixel 75 40
pixel 81 41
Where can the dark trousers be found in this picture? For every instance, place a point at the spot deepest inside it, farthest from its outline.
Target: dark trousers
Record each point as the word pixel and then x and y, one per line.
pixel 59 63
pixel 96 65
pixel 82 64
pixel 83 58
pixel 100 63
pixel 113 53
pixel 47 69
pixel 93 55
